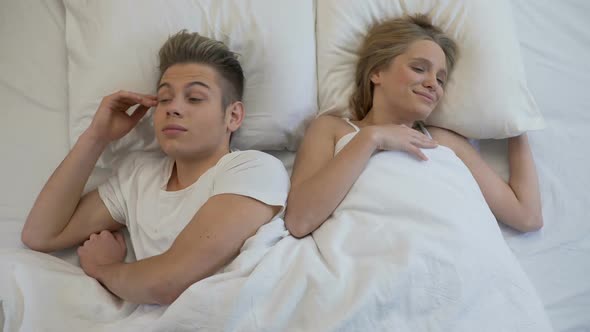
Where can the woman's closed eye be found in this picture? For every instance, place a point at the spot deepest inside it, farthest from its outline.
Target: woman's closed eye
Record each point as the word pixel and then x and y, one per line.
pixel 418 69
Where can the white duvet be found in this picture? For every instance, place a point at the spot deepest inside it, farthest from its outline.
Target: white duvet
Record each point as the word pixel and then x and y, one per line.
pixel 413 247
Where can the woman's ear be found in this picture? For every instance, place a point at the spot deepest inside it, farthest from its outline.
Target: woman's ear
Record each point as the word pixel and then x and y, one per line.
pixel 376 77
pixel 234 116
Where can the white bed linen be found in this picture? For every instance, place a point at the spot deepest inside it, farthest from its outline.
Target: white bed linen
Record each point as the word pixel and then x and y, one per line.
pixel 433 261
pixel 555 40
pixel 33 120
pixel 33 95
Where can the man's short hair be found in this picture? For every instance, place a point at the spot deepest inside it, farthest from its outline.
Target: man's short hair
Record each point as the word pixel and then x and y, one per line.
pixel 186 47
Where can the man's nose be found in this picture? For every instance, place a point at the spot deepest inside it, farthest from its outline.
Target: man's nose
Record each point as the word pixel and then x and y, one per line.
pixel 174 109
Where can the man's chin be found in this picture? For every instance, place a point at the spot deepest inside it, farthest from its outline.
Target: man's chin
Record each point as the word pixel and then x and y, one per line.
pixel 171 150
pixel 177 153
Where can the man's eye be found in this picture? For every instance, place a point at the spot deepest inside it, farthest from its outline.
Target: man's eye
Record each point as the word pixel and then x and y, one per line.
pixel 163 100
pixel 194 100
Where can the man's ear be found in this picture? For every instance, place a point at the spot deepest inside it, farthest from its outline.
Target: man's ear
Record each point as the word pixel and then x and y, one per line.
pixel 234 116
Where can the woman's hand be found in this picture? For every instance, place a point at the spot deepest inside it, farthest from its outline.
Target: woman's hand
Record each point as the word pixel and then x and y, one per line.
pixel 401 138
pixel 111 122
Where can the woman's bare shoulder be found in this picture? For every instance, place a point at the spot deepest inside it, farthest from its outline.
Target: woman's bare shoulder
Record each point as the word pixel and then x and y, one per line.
pixel 331 125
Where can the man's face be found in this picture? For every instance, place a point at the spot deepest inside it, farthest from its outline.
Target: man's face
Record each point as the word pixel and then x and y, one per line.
pixel 189 120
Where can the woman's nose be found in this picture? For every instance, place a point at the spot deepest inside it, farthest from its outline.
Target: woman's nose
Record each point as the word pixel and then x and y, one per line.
pixel 430 82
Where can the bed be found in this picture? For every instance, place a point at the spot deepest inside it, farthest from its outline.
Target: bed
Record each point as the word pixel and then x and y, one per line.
pixel 555 47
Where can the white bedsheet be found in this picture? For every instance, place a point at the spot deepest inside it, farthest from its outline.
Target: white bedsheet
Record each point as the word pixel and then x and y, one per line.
pixel 554 37
pixel 33 131
pixel 433 261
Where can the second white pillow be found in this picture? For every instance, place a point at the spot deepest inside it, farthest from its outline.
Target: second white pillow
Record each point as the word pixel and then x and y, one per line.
pixel 487 95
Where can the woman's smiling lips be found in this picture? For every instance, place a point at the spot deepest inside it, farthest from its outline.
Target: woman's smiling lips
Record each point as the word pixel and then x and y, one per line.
pixel 425 95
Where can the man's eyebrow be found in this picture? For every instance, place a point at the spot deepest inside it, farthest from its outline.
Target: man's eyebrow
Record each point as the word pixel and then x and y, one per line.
pixel 188 85
pixel 167 85
pixel 197 83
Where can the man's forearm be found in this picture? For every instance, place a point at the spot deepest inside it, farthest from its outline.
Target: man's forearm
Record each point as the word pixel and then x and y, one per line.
pixel 211 240
pixel 143 282
pixel 59 197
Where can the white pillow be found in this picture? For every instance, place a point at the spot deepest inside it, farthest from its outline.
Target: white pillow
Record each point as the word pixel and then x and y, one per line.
pixel 113 45
pixel 487 95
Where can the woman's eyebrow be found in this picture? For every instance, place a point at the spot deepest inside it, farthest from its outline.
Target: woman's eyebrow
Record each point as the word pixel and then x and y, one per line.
pixel 429 63
pixel 422 60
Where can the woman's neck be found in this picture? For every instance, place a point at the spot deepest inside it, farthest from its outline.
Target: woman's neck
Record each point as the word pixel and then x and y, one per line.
pixel 381 116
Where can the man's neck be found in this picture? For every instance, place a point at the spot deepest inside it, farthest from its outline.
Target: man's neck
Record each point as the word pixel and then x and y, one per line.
pixel 188 171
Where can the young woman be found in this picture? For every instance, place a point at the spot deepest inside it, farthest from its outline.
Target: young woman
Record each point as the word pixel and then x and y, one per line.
pixel 400 79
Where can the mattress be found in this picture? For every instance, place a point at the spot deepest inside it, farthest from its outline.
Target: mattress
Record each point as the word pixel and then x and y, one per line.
pixel 555 40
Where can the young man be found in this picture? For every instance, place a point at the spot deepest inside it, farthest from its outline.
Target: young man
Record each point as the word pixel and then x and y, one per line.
pixel 189 211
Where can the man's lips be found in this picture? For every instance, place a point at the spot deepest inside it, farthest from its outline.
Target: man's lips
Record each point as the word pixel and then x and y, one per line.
pixel 172 128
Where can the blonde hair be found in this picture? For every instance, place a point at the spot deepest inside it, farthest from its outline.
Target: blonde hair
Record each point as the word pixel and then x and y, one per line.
pixel 385 41
pixel 185 47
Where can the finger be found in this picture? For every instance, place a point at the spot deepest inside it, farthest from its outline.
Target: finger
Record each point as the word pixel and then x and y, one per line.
pixel 420 140
pixel 145 95
pixel 125 96
pixel 416 152
pixel 133 98
pixel 152 97
pixel 429 144
pixel 120 238
pixel 420 135
pixel 143 99
pixel 139 113
pixel 125 103
pixel 122 106
pixel 148 102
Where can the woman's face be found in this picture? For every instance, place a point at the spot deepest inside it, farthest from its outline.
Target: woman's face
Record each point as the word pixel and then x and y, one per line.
pixel 413 82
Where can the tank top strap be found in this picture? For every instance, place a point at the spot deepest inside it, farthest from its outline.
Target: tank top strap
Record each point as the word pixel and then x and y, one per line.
pixel 356 128
pixel 420 125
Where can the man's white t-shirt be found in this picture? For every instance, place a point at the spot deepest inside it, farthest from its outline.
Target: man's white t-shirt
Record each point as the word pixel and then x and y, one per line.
pixel 136 196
